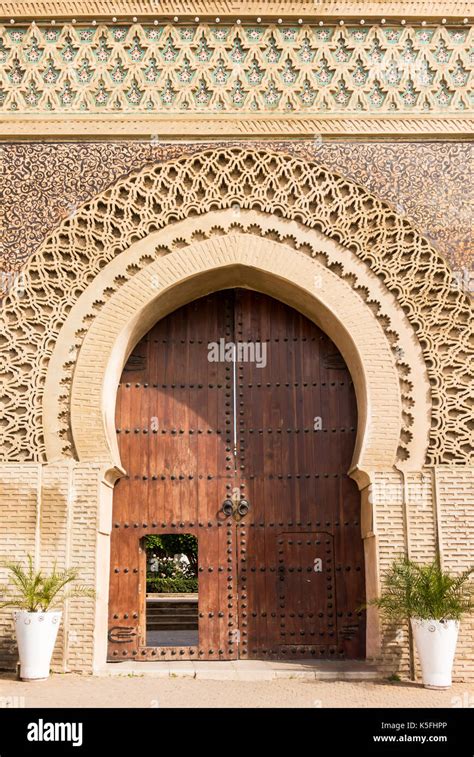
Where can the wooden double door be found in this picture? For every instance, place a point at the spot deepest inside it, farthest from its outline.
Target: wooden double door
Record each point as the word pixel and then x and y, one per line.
pixel 236 421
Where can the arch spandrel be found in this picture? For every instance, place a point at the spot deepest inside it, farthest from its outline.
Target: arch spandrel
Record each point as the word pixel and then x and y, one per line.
pixel 276 184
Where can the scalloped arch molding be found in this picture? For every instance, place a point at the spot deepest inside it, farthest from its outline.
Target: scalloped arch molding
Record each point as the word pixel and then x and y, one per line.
pixel 282 258
pixel 241 179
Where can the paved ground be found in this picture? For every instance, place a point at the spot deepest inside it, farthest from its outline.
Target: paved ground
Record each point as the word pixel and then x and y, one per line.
pixel 72 690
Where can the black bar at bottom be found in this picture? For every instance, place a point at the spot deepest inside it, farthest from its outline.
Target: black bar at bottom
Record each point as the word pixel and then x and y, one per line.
pixel 133 731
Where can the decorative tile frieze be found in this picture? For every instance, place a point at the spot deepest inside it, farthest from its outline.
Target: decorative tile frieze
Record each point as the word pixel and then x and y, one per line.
pixel 231 70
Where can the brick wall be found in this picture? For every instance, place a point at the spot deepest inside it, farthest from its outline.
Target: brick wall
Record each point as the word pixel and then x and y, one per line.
pixel 455 494
pixel 53 513
pixel 389 527
pixel 19 492
pixel 430 508
pixel 83 554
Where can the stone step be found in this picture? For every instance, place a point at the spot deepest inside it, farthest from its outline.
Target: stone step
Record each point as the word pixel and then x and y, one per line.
pixel 171 608
pixel 172 627
pixel 249 670
pixel 172 614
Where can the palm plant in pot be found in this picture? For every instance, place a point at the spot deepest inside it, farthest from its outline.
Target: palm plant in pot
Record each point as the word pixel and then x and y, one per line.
pixel 37 597
pixel 433 601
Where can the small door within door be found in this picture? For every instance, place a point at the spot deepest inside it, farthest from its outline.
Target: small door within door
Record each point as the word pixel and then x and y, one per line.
pixel 306 591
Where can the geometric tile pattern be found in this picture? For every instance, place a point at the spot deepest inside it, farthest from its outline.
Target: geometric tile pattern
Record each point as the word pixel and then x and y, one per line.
pixel 228 68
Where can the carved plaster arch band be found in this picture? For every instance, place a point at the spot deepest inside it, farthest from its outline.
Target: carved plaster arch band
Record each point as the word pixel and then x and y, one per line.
pixel 219 178
pixel 212 265
pixel 204 263
pixel 226 261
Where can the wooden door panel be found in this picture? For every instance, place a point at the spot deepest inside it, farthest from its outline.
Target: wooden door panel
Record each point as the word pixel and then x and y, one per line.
pixel 175 435
pixel 297 426
pixel 306 592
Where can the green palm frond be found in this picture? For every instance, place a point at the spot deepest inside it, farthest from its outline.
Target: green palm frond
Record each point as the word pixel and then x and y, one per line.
pixel 411 590
pixel 34 591
pixel 76 592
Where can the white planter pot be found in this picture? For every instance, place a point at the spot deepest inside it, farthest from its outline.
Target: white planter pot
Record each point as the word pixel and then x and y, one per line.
pixel 36 634
pixel 436 644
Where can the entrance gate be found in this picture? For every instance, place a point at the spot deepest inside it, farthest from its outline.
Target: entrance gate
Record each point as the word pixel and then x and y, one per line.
pixel 236 421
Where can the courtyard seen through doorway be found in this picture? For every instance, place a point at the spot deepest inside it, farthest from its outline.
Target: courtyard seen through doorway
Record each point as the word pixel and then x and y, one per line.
pixel 171 590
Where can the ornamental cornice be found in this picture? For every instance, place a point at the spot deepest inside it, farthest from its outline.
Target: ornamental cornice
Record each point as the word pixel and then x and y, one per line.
pixel 159 129
pixel 229 8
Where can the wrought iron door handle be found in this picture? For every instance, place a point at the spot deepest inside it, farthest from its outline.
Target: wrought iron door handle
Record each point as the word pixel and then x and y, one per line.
pixel 228 507
pixel 243 507
pixel 121 634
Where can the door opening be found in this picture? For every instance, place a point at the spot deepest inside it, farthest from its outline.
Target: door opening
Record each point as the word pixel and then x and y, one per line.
pixel 236 421
pixel 172 597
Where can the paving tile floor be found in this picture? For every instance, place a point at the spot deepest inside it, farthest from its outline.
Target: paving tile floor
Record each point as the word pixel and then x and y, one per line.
pixel 132 690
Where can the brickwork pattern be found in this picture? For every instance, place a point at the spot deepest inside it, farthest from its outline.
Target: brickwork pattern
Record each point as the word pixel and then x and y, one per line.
pixel 455 491
pixel 51 513
pixel 426 524
pixel 83 554
pixel 19 497
pixel 54 529
pixel 421 516
pixel 390 531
